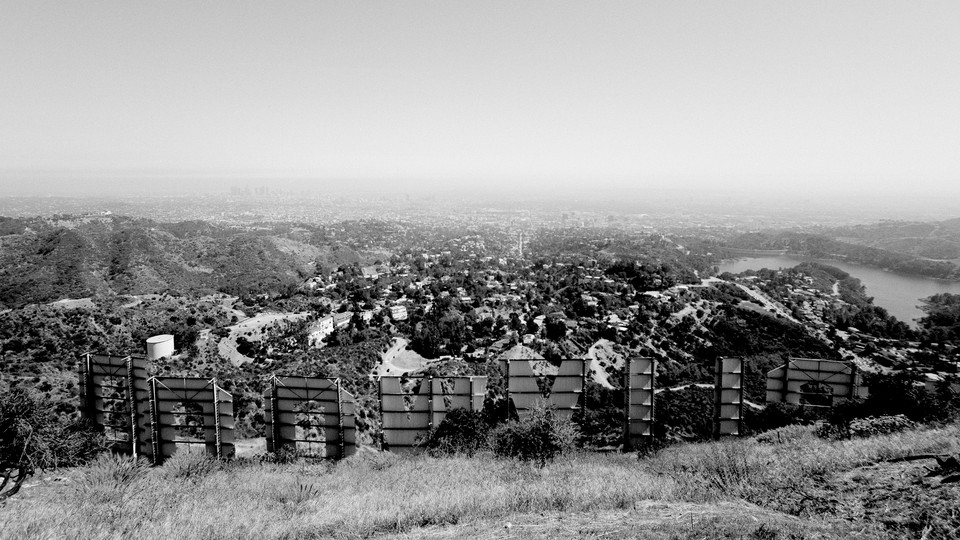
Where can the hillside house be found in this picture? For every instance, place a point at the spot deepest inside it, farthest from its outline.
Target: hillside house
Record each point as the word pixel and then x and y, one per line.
pixel 319 330
pixel 398 313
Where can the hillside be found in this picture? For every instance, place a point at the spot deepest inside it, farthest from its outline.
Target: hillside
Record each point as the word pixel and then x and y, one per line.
pixel 786 484
pixel 930 249
pixel 48 259
pixel 938 240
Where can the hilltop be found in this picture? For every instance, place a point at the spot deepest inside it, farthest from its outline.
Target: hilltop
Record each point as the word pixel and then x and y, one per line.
pixel 784 484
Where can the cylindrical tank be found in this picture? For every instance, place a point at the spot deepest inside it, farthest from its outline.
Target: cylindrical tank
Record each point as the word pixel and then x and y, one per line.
pixel 159 346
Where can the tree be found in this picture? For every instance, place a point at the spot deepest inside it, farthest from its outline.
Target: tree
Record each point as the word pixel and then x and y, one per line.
pixel 32 437
pixel 556 328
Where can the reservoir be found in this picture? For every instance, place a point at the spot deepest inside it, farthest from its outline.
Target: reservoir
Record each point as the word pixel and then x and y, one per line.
pixel 897 293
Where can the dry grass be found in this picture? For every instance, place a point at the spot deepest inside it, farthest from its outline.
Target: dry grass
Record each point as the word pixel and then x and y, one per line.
pixel 732 489
pixel 364 495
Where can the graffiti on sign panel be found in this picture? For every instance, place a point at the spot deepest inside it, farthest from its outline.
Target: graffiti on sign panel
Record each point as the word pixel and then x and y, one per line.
pixel 559 387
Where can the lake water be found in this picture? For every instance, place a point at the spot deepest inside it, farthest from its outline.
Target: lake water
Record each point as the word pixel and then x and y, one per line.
pixel 897 293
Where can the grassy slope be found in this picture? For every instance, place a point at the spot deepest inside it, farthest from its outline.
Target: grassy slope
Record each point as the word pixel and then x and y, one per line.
pixel 794 487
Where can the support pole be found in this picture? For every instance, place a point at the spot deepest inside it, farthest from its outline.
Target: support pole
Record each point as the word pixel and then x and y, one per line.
pixel 717 395
pixel 583 388
pixel 383 435
pixel 430 402
pixel 653 399
pixel 274 428
pixel 743 384
pixel 132 404
pixel 216 416
pixel 154 428
pixel 341 436
pixel 854 381
pixel 786 380
pixel 89 393
pixel 627 397
pixel 509 398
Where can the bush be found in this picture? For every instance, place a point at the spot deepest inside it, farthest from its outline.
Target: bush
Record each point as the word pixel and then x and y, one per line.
pixel 33 437
pixel 461 432
pixel 540 437
pixel 865 427
pixel 190 465
pixel 778 415
pixel 685 415
pixel 114 471
pixel 110 479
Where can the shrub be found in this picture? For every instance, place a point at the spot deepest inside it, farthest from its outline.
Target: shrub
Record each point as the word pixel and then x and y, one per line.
pixel 114 471
pixel 32 437
pixel 461 432
pixel 905 394
pixel 190 465
pixel 539 437
pixel 110 479
pixel 778 415
pixel 867 427
pixel 685 415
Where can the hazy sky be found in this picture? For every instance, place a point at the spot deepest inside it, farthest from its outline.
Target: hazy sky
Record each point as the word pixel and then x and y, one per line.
pixel 833 94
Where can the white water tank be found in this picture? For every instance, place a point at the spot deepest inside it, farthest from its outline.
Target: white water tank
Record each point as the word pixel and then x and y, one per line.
pixel 159 346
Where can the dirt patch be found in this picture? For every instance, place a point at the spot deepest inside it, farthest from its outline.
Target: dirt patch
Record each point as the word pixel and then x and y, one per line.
pixel 646 520
pixel 896 500
pixel 399 360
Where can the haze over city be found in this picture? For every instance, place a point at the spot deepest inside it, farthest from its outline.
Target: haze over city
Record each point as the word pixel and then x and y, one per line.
pixel 773 99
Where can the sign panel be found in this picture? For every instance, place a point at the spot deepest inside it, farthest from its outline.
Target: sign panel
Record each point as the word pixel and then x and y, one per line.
pixel 814 382
pixel 187 413
pixel 311 415
pixel 729 397
pixel 639 392
pixel 114 397
pixel 407 415
pixel 561 391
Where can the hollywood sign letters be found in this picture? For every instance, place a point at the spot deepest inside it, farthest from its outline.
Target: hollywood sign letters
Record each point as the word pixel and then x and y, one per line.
pixel 154 417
